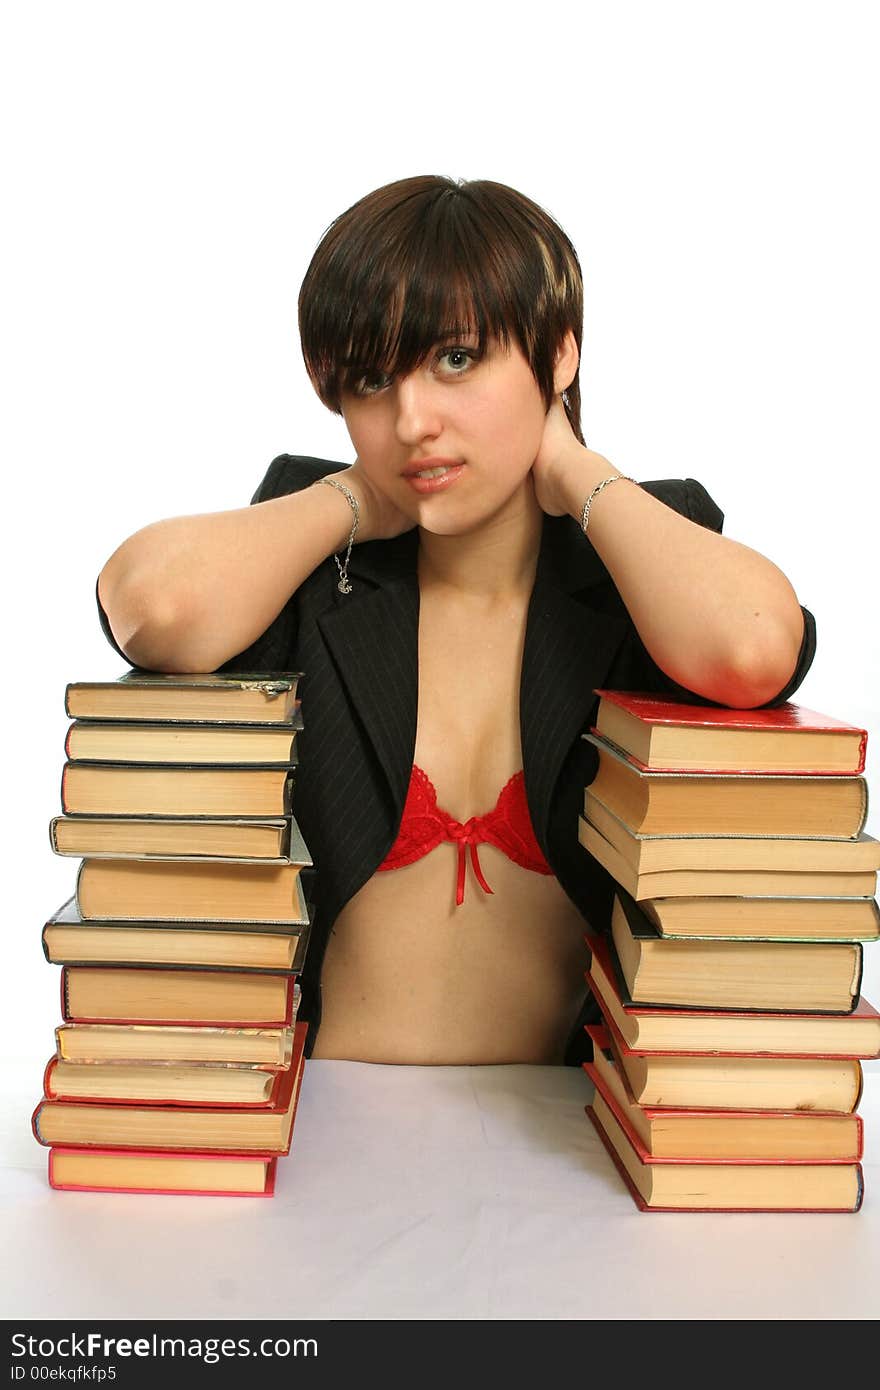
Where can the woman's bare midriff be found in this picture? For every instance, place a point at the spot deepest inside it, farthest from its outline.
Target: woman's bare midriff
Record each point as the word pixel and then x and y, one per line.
pixel 409 976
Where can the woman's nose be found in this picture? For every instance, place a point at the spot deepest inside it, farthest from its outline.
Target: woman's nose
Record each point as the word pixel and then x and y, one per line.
pixel 416 409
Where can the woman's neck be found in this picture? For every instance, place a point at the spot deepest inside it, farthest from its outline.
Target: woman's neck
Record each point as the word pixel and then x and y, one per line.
pixel 495 562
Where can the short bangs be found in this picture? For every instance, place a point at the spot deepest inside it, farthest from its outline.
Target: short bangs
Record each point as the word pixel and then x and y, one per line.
pixel 426 259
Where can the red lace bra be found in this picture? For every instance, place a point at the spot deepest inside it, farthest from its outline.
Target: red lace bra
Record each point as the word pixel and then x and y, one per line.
pixel 424 826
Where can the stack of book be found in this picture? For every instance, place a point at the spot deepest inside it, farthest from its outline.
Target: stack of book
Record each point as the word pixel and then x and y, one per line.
pixel 727 1071
pixel 179 1059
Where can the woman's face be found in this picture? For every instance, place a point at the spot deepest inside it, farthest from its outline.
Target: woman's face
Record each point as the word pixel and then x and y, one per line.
pixel 482 417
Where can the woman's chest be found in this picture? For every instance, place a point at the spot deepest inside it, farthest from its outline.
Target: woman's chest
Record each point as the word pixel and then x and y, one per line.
pixel 468 725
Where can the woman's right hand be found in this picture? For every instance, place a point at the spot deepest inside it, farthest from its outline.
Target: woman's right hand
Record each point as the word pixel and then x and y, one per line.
pixel 380 520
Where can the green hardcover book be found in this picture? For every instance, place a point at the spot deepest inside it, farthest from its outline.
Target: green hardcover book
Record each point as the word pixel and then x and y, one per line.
pixel 189 744
pixel 238 697
pixel 799 976
pixel 243 840
pixel 69 939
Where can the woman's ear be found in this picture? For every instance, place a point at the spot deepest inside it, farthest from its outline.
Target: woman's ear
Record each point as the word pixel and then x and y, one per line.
pixel 566 364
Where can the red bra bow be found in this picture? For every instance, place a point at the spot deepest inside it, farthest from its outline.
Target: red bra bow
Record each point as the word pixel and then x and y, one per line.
pixel 508 827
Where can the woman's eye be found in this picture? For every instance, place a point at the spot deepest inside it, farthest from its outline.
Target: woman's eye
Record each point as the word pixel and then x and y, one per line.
pixel 459 359
pixel 370 383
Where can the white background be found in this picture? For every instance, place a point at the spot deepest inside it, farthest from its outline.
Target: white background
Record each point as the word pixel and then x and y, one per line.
pixel 168 169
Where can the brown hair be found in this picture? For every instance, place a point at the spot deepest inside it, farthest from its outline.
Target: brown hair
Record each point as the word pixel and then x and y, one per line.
pixel 427 256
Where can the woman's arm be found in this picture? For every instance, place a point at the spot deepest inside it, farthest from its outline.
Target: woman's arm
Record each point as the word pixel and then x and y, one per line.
pixel 717 617
pixel 188 593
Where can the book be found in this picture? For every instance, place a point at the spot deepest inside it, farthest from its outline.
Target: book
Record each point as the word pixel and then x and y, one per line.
pixel 671 736
pixel 706 883
pixel 646 854
pixel 803 977
pixel 193 1175
pixel 699 803
pixel 230 1129
pixel 141 1042
pixel 69 940
pixel 239 697
pixel 95 837
pixel 722 1135
pixel 649 1028
pixel 222 998
pixel 152 789
pixel 191 744
pixel 760 1082
pixel 814 1187
pixel 766 918
pixel 163 1083
pixel 174 890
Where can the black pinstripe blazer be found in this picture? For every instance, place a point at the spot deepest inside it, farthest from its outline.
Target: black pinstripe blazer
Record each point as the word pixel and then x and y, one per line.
pixel 359 657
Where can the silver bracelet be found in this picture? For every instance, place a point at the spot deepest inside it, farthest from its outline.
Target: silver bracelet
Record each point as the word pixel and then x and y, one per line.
pixel 344 586
pixel 615 478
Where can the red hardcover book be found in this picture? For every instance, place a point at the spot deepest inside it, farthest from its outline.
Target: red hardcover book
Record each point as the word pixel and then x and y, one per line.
pixel 710 1032
pixel 640 1180
pixel 781 740
pixel 756 1119
pixel 280 1018
pixel 143 1173
pixel 161 1128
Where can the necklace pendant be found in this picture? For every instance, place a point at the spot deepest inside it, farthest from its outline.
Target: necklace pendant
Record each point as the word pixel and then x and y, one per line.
pixel 344 587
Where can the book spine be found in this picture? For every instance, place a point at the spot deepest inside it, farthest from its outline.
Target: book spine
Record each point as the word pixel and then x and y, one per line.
pixel 77 890
pixel 47 1078
pixel 35 1123
pixel 858 971
pixel 860 1085
pixel 297 1089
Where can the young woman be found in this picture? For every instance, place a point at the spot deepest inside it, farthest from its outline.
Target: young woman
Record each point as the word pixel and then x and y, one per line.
pixel 453 599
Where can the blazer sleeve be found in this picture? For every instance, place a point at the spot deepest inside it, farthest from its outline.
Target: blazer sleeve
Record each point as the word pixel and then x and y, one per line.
pixel 271 650
pixel 692 500
pixel 105 627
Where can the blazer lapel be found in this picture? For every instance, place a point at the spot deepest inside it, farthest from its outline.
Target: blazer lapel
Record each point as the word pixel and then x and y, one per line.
pixel 373 637
pixel 570 645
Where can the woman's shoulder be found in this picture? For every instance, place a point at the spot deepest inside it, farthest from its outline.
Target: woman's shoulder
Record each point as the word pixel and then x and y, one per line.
pixel 688 497
pixel 291 473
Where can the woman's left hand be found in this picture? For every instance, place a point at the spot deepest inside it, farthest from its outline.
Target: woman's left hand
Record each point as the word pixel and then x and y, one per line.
pixel 563 467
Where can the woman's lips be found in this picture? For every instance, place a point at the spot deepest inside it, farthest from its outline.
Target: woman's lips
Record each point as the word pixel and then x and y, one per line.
pixel 437 484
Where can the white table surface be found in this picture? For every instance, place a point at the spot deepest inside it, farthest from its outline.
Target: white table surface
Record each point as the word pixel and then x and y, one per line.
pixel 426 1192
